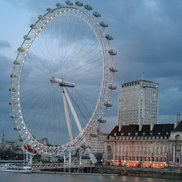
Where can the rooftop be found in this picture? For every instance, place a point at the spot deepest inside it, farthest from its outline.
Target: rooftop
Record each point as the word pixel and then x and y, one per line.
pixel 157 130
pixel 137 82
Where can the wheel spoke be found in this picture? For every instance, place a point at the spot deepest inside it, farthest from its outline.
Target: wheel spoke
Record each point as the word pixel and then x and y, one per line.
pixel 66 46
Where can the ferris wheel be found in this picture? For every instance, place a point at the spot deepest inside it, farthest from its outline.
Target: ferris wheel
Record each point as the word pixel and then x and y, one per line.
pixel 62 78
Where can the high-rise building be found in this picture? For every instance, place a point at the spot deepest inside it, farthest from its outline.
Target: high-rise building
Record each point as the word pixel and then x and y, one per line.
pixel 138 103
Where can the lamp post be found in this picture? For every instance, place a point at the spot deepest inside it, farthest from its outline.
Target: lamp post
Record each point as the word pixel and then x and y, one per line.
pixel 126 156
pixel 3 146
pixel 167 158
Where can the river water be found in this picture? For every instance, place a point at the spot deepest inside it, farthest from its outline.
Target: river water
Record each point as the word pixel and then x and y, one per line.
pixel 34 177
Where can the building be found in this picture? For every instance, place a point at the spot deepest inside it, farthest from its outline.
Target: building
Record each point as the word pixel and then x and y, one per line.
pixel 96 144
pixel 138 103
pixel 160 142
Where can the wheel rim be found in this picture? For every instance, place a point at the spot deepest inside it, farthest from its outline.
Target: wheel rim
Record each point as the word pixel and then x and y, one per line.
pixel 107 78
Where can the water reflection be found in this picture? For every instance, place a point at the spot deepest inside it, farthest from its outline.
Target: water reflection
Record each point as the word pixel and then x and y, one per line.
pixel 15 177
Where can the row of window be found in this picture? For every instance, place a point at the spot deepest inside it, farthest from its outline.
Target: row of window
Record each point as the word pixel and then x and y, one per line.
pixel 136 133
pixel 138 138
pixel 142 152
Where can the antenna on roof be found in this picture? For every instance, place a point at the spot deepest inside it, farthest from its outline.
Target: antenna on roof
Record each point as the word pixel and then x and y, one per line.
pixel 3 146
pixel 142 75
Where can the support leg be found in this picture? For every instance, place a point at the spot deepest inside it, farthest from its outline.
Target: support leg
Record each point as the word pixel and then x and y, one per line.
pixel 73 111
pixel 67 115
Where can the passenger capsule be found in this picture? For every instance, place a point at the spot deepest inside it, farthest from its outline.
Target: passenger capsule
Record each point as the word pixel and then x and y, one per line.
pixel 20 140
pixel 93 134
pixel 59 5
pixel 108 37
pixel 112 52
pixel 113 69
pixel 16 62
pixel 78 3
pixel 84 146
pixel 12 116
pixel 21 49
pixel 101 120
pixel 12 90
pixel 96 14
pixel 40 17
pixel 69 3
pixel 26 37
pixel 50 10
pixel 16 129
pixel 13 76
pixel 107 104
pixel 112 87
pixel 102 24
pixel 33 26
pixel 88 7
pixel 12 103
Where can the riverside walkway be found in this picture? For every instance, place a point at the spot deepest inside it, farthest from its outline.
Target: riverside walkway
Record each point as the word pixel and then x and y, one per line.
pixel 39 166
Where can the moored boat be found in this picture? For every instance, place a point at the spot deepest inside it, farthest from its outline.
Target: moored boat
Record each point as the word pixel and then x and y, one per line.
pixel 14 168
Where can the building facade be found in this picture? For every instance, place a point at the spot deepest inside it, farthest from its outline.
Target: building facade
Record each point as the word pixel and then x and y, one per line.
pixel 138 103
pixel 97 143
pixel 162 142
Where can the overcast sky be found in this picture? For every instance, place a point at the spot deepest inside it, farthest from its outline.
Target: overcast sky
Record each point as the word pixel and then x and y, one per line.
pixel 148 38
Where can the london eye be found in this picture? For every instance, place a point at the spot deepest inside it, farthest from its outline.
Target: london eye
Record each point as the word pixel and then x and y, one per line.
pixel 62 78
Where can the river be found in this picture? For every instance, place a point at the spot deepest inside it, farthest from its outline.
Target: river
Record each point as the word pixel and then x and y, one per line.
pixel 35 177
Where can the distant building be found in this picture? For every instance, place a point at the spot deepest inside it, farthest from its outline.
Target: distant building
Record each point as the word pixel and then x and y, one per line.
pixel 161 142
pixel 96 143
pixel 138 103
pixel 44 141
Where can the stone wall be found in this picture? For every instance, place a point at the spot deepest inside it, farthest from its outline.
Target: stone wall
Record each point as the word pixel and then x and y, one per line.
pixel 170 172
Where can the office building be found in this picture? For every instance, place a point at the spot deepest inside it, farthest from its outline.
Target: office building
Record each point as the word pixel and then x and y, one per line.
pixel 138 103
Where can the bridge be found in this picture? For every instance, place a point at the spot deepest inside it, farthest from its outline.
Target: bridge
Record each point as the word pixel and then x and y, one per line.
pixel 12 161
pixel 76 165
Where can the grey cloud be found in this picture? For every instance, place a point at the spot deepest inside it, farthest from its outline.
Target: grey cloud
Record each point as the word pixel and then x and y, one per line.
pixel 4 44
pixel 148 39
pixel 6 123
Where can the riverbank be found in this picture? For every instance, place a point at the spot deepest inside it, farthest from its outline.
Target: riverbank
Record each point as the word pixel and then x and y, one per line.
pixel 56 177
pixel 169 172
pixel 165 173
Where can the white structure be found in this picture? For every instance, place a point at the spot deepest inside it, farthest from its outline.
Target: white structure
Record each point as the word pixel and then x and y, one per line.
pixel 138 103
pixel 162 143
pixel 96 142
pixel 87 22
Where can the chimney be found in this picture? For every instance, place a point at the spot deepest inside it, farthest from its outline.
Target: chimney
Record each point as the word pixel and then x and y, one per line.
pixel 151 126
pixel 119 127
pixel 176 120
pixel 140 127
